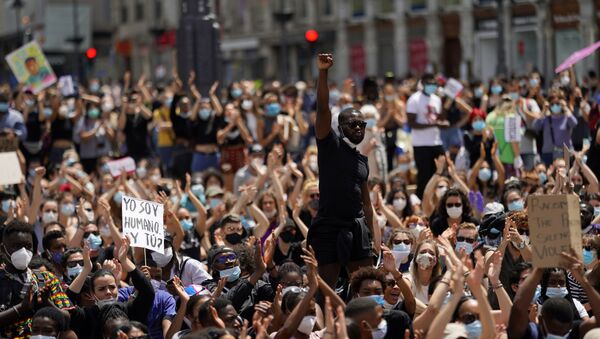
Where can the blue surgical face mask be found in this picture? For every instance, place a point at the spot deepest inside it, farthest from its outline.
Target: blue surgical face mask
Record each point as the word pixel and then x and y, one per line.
pixel 542 177
pixel 555 108
pixel 513 96
pixel 118 197
pixel 378 299
pixel 3 106
pixel 401 247
pixel 556 292
pixel 214 202
pixel 596 211
pixel 484 174
pixel 463 244
pixel 496 89
pixel 403 168
pixel 478 125
pixel 273 109
pixel 6 205
pixel 47 112
pixel 588 257
pixel 232 274
pixel 371 123
pixel 473 329
pixel 94 241
pixel 533 82
pixel 73 272
pixel 204 114
pixel 429 89
pixel 493 242
pixel 478 92
pixel 94 87
pixel 236 93
pixel 334 96
pixel 186 224
pixel 93 113
pixel 67 209
pixel 517 205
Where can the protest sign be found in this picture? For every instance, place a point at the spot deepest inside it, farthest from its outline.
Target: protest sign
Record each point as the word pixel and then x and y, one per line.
pixel 143 222
pixel 512 128
pixel 554 227
pixel 8 143
pixel 117 167
pixel 66 87
pixel 30 67
pixel 453 88
pixel 10 171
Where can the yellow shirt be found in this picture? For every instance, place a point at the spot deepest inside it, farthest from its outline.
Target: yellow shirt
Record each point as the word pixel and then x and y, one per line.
pixel 166 137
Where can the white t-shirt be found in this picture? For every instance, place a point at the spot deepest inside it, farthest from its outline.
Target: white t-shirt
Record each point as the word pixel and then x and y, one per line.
pixel 427 109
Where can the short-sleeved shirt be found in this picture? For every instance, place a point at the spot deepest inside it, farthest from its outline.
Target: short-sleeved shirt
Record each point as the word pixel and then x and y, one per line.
pixel 342 171
pixel 162 308
pixel 427 109
pixel 13 288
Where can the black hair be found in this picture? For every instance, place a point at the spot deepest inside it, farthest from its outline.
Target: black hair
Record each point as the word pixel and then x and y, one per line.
pixel 515 274
pixel 453 192
pixel 515 188
pixel 462 300
pixel 288 267
pixel 211 333
pixel 290 300
pixel 194 300
pixel 352 329
pixel 68 253
pixel 98 274
pixel 212 173
pixel 245 256
pixel 52 235
pixel 110 312
pixel 427 77
pixel 53 313
pixel 128 327
pixel 31 58
pixel 37 262
pixel 366 273
pixel 17 226
pixel 220 303
pixel 408 210
pixel 558 309
pixel 544 287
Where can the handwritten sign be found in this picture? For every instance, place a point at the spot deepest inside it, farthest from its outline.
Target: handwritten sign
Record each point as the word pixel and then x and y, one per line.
pixel 143 221
pixel 453 88
pixel 65 85
pixel 512 128
pixel 554 227
pixel 8 144
pixel 10 171
pixel 117 167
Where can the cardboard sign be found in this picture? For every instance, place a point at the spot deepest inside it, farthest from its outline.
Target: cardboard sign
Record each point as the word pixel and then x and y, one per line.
pixel 66 87
pixel 10 171
pixel 554 227
pixel 31 68
pixel 453 88
pixel 117 167
pixel 8 144
pixel 143 221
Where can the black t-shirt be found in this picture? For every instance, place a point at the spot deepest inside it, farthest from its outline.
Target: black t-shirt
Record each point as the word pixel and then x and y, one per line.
pixel 439 223
pixel 34 127
pixel 342 171
pixel 61 129
pixel 293 254
pixel 136 130
pixel 397 323
pixel 234 137
pixel 181 126
pixel 204 132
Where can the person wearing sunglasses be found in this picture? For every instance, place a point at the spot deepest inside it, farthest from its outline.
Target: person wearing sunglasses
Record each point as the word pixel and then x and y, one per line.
pixel 340 232
pixel 466 238
pixel 453 208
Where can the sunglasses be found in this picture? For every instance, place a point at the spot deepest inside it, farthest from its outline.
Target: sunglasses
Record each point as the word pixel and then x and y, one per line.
pixel 405 241
pixel 523 231
pixel 356 123
pixel 468 240
pixel 75 263
pixel 315 196
pixel 458 204
pixel 87 234
pixel 390 283
pixel 442 186
pixel 587 248
pixel 225 258
pixel 468 318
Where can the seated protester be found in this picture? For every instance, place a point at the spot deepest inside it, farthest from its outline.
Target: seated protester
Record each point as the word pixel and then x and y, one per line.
pixel 375 322
pixel 16 281
pixel 242 287
pixel 163 306
pixel 72 262
pixel 112 318
pixel 89 233
pixel 103 287
pixel 286 246
pixel 54 244
pixel 50 322
pixel 232 231
pixel 198 316
pixel 190 270
pixel 554 285
pixel 228 314
pixel 466 238
pixel 402 244
pixel 453 208
pixel 213 333
pixel 423 270
pixel 286 275
pixel 132 329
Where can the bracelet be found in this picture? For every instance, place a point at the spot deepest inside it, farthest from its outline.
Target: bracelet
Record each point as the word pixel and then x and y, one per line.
pixel 16 311
pixel 444 282
pixel 497 287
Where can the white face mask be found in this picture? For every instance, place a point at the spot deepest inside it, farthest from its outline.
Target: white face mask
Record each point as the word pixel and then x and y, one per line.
pixel 271 214
pixel 439 192
pixel 380 331
pixel 258 162
pixel 307 324
pixel 163 259
pixel 21 258
pixel 454 212
pixel 425 260
pixel 49 217
pixel 247 105
pixel 313 163
pixel 399 204
pixel 39 336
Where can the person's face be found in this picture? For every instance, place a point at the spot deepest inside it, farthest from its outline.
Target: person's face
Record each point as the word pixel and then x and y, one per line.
pixel 105 287
pixel 557 279
pixel 553 326
pixel 370 287
pixel 184 104
pixel 32 67
pixel 577 179
pixel 468 235
pixel 107 182
pixel 401 238
pixel 213 181
pixel 513 196
pixel 135 333
pixel 183 214
pixel 15 241
pixel 268 204
pixel 353 126
pixel 468 312
pixel 67 199
pixel 229 317
pixel 44 326
pixel 524 274
pixel 392 291
pixel 225 260
pixel 111 325
pixel 388 90
pixel 58 245
pixel 400 195
pixel 233 227
pixel 50 206
pixel 313 193
pixel 427 248
pixel 292 279
pixel 53 227
pixel 371 320
pixel 560 165
pixel 453 201
pixel 75 259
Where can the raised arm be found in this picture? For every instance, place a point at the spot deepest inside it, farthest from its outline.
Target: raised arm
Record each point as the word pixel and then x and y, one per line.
pixel 519 314
pixel 323 125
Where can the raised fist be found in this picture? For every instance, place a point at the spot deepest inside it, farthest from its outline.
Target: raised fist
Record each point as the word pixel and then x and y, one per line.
pixel 324 61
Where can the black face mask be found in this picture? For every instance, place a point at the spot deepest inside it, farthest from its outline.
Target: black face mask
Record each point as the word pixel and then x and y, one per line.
pixel 314 204
pixel 287 236
pixel 233 238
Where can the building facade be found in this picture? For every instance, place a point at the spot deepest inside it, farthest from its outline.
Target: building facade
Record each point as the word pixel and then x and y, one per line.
pixel 374 37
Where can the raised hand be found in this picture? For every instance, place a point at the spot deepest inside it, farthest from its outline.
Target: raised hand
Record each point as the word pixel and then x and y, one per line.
pixel 324 61
pixel 570 261
pixel 440 164
pixel 213 88
pixel 220 286
pixel 495 268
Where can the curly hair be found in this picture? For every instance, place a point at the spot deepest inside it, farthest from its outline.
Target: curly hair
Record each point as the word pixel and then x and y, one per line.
pixel 366 273
pixel 453 192
pixel 518 218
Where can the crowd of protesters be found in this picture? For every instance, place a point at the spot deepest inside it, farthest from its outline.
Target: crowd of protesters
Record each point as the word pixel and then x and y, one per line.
pixel 237 171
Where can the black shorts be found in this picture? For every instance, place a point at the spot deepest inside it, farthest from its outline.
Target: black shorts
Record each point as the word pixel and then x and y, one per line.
pixel 339 241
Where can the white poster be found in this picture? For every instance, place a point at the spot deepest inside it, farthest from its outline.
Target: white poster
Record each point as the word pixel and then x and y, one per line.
pixel 10 171
pixel 143 222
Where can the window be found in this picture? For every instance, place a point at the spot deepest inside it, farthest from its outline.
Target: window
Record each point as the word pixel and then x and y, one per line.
pixel 139 11
pixel 416 5
pixel 301 9
pixel 386 6
pixel 124 14
pixel 451 2
pixel 327 7
pixel 157 9
pixel 358 8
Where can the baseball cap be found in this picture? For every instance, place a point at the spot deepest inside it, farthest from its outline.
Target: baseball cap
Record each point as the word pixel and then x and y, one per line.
pixel 256 149
pixel 213 191
pixel 493 208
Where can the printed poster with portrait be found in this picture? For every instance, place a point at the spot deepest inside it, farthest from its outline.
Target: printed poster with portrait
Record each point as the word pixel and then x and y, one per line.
pixel 31 68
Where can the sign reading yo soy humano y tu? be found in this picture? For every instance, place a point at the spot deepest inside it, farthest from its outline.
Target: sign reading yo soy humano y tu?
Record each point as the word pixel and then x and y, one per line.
pixel 554 227
pixel 143 221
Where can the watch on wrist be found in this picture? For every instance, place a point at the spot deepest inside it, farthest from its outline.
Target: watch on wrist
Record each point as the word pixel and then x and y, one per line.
pixel 521 245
